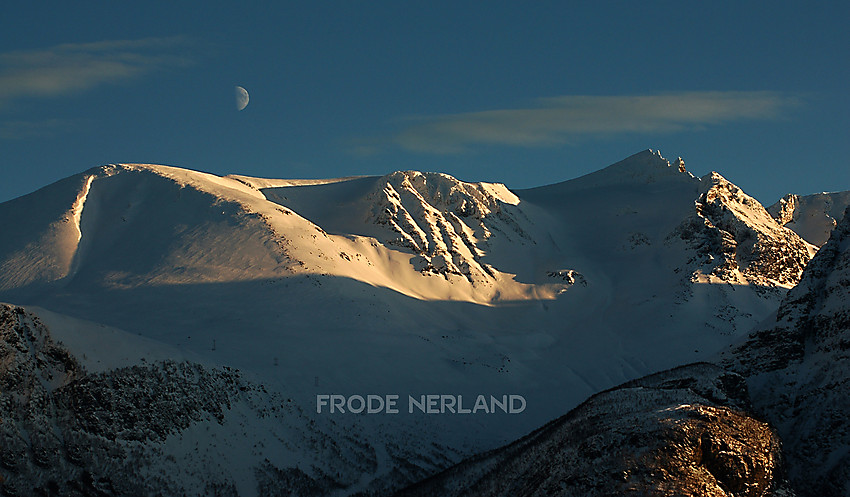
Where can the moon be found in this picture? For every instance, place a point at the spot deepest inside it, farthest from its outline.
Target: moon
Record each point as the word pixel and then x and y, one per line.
pixel 241 98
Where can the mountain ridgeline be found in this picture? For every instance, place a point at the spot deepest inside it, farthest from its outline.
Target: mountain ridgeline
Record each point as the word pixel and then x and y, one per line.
pixel 182 325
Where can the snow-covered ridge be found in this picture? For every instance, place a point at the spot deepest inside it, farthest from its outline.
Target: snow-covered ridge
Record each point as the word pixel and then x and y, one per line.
pixel 262 183
pixel 812 217
pixel 77 209
pixel 205 228
pixel 208 228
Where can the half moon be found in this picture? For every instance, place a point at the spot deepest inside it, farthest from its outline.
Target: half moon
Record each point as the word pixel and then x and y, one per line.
pixel 241 98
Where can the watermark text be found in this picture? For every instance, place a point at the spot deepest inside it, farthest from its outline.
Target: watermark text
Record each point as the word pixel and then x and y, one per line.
pixel 423 404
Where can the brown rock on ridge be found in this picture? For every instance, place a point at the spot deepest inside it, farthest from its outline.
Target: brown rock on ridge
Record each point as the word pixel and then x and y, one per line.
pixel 680 432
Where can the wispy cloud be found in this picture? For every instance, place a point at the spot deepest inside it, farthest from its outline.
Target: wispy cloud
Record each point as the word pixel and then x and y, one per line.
pixel 572 118
pixel 74 67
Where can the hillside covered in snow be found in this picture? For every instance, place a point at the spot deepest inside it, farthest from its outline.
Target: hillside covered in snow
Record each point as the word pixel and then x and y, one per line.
pixel 272 292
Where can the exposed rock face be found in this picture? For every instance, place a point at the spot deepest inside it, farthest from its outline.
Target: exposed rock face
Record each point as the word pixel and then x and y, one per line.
pixel 446 221
pixel 680 432
pixel 812 217
pixel 783 211
pixel 737 241
pixel 799 371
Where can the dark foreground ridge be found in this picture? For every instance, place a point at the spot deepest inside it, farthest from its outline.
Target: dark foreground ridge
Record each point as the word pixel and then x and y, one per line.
pixel 686 431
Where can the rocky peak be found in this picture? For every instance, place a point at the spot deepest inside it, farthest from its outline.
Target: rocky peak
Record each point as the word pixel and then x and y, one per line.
pixel 647 166
pixel 737 241
pixel 446 193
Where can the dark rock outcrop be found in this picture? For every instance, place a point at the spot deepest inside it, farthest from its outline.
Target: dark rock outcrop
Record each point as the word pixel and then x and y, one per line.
pixel 64 431
pixel 680 432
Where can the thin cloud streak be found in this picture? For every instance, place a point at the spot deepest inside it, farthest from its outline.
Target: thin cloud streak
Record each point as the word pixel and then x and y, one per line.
pixel 74 67
pixel 566 119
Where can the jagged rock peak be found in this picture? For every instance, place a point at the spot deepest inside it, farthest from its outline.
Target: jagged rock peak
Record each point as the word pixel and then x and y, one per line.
pixel 783 211
pixel 645 167
pixel 739 241
pixel 716 188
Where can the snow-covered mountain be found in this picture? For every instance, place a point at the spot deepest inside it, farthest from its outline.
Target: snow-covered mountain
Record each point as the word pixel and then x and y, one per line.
pixel 696 430
pixel 813 217
pixel 798 368
pixel 409 283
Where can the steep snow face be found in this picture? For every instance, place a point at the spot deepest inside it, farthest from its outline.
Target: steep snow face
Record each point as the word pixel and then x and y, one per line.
pixel 445 223
pixel 679 432
pixel 737 241
pixel 799 368
pixel 41 233
pixel 813 217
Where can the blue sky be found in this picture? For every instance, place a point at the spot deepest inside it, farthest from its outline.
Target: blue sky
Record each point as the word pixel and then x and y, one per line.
pixel 525 94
